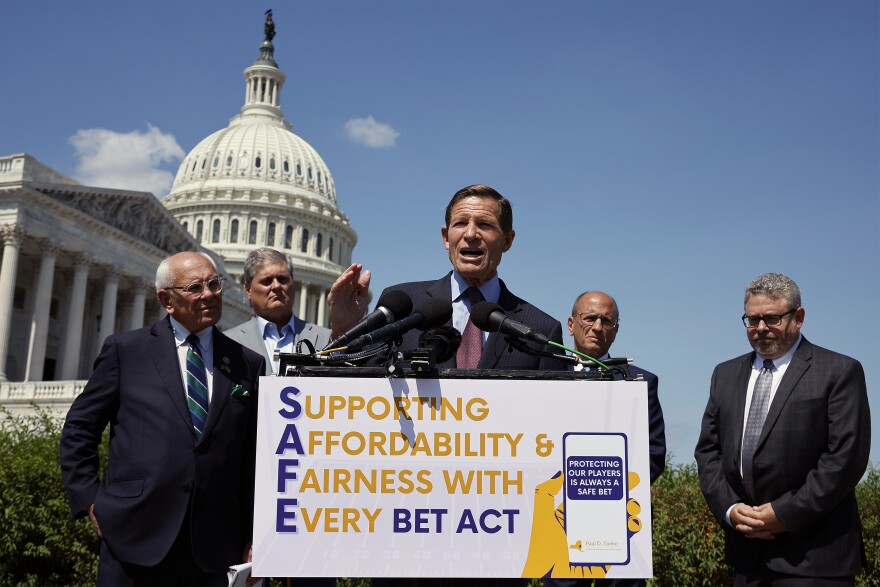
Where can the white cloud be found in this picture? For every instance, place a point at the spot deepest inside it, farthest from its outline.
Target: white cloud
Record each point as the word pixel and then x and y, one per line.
pixel 130 161
pixel 371 133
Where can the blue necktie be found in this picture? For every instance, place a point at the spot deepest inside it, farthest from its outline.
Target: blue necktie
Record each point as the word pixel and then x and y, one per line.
pixel 196 385
pixel 757 414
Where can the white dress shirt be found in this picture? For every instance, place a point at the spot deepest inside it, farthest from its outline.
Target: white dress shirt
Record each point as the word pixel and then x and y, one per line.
pixel 206 341
pixel 461 304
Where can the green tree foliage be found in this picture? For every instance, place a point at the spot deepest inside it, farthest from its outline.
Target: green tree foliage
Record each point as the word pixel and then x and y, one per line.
pixel 688 542
pixel 868 496
pixel 41 545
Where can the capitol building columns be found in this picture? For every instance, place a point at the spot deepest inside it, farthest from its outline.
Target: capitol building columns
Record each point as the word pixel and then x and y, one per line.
pixel 322 308
pixel 50 314
pixel 76 308
pixel 12 236
pixel 303 301
pixel 138 303
pixel 108 306
pixel 40 313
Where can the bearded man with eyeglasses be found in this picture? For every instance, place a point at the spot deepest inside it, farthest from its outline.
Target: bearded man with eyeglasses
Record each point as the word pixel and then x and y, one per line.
pixel 784 441
pixel 175 504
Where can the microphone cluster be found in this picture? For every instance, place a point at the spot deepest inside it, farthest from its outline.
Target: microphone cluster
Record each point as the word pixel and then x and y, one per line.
pixel 394 316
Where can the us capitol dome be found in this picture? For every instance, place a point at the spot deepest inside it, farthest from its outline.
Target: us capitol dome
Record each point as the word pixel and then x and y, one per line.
pixel 255 183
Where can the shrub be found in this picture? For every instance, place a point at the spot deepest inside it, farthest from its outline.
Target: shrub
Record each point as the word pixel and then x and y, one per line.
pixel 868 496
pixel 41 545
pixel 688 542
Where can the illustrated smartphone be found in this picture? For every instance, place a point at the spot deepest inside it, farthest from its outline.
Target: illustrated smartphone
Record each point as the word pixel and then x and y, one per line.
pixel 595 494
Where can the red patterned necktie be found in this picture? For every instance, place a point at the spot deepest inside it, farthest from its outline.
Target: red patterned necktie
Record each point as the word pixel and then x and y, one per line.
pixel 468 354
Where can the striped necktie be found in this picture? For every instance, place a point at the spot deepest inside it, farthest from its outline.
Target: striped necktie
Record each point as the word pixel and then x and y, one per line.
pixel 757 414
pixel 196 385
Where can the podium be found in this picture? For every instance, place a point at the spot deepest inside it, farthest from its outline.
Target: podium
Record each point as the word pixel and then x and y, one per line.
pixel 451 473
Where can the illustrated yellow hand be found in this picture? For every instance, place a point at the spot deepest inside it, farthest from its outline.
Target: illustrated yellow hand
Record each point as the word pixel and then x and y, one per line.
pixel 548 547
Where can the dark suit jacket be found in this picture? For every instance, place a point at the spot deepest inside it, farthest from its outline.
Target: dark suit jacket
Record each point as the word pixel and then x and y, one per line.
pixel 156 468
pixel 811 454
pixel 656 426
pixel 249 334
pixel 496 352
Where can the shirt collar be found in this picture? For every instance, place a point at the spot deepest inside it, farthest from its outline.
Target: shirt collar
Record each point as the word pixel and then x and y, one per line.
pixel 781 361
pixel 265 324
pixel 491 290
pixel 180 334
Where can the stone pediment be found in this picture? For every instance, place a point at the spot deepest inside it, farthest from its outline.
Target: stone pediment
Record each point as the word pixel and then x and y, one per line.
pixel 138 214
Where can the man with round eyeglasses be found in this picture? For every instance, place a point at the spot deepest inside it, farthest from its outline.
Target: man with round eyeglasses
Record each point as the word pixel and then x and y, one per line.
pixel 784 440
pixel 175 503
pixel 594 324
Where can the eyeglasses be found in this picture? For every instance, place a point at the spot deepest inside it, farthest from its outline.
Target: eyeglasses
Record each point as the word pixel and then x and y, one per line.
pixel 589 319
pixel 769 319
pixel 197 288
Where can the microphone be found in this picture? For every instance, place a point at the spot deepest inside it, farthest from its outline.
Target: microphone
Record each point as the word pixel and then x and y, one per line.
pixel 435 346
pixel 611 361
pixel 432 313
pixel 393 305
pixel 492 318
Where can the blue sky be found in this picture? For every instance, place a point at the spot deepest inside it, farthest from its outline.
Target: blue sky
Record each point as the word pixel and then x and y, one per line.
pixel 664 152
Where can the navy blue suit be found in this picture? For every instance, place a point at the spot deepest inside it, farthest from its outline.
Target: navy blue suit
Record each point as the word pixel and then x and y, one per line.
pixel 496 351
pixel 157 470
pixel 496 355
pixel 656 427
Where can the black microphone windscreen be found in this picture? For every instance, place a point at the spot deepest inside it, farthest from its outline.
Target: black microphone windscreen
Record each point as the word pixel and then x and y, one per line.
pixel 437 312
pixel 445 339
pixel 397 302
pixel 480 313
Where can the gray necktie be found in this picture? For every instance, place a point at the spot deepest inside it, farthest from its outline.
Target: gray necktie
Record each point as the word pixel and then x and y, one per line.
pixel 755 423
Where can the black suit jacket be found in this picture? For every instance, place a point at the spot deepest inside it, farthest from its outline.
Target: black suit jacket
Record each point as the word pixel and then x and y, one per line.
pixel 656 426
pixel 157 469
pixel 496 352
pixel 811 454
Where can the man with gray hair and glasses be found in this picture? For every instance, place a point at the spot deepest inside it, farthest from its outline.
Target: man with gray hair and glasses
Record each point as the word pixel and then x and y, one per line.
pixel 268 281
pixel 175 504
pixel 784 441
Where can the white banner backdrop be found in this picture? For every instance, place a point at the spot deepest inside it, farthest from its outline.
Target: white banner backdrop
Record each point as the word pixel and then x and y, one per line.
pixel 371 477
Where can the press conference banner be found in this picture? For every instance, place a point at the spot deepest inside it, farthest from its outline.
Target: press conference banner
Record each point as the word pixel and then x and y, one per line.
pixel 372 477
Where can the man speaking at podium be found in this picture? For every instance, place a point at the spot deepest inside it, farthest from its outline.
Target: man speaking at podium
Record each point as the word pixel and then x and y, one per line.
pixel 478 231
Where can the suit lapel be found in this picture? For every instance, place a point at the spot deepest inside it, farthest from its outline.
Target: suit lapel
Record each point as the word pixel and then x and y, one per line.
pixel 164 353
pixel 442 289
pixel 800 362
pixel 302 330
pixel 741 389
pixel 496 344
pixel 222 384
pixel 255 340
